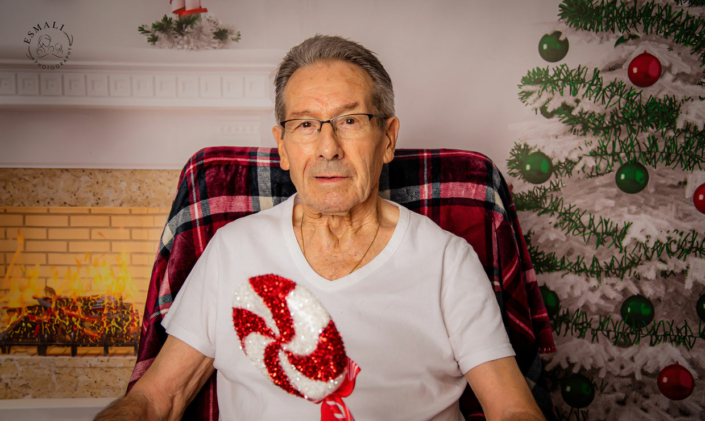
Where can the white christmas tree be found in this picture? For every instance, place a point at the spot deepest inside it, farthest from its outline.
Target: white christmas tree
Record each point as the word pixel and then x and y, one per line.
pixel 611 193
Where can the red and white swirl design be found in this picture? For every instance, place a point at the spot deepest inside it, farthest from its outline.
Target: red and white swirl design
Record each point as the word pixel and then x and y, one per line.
pixel 290 338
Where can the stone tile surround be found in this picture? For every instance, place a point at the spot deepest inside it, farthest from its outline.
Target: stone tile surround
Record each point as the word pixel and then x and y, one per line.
pixel 25 377
pixel 87 187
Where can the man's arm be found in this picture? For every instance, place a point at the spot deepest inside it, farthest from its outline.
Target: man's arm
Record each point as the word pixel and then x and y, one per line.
pixel 166 388
pixel 502 391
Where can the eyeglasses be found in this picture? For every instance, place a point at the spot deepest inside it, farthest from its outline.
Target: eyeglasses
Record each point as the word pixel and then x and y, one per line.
pixel 348 126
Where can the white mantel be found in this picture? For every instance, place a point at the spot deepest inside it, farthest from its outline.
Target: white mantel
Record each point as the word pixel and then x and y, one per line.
pixel 231 79
pixel 133 107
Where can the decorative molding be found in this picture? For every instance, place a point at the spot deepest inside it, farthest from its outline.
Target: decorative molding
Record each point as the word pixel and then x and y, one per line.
pixel 221 79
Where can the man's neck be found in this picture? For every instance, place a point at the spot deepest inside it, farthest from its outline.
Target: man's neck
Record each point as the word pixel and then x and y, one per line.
pixel 338 226
pixel 334 245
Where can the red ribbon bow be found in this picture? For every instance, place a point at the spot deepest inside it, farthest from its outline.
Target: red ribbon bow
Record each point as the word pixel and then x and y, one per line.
pixel 332 407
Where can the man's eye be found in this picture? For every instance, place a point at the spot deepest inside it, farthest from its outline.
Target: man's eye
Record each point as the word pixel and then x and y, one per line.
pixel 303 125
pixel 350 121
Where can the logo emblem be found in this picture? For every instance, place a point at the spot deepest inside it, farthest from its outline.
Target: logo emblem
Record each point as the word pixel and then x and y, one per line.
pixel 48 45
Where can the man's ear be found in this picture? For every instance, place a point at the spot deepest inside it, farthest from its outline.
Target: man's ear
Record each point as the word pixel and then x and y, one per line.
pixel 283 156
pixel 390 137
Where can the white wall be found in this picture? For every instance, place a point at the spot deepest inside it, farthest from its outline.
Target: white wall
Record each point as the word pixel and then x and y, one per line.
pixel 455 67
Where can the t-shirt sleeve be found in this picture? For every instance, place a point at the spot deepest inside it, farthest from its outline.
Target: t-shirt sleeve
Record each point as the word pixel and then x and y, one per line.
pixel 192 315
pixel 470 310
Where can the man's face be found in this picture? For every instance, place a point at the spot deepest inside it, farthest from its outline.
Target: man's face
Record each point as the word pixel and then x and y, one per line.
pixel 330 174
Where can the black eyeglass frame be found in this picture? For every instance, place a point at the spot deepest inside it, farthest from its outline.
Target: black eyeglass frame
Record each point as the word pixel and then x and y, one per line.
pixel 369 116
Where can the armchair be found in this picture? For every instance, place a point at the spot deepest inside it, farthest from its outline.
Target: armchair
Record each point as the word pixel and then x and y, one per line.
pixel 463 192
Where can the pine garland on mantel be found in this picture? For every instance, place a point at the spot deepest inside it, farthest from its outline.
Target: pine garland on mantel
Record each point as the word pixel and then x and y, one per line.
pixel 190 32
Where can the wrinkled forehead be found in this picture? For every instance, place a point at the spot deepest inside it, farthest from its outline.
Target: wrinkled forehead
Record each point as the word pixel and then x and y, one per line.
pixel 328 87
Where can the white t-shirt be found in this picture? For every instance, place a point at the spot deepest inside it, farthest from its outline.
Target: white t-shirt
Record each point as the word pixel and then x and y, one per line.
pixel 415 319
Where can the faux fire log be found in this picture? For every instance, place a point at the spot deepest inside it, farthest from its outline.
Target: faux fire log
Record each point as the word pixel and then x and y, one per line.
pixel 96 320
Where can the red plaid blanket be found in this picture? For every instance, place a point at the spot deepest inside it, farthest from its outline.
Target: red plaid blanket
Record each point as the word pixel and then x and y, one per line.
pixel 461 191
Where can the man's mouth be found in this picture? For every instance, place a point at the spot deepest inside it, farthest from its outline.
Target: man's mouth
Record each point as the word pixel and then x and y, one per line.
pixel 324 178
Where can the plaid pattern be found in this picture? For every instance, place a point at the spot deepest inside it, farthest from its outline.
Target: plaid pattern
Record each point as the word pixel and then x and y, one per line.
pixel 463 192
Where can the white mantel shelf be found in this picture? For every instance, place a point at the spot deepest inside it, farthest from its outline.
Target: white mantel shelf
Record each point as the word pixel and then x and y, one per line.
pixel 146 77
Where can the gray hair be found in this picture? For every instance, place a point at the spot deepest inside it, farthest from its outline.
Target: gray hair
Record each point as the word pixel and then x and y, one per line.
pixel 327 48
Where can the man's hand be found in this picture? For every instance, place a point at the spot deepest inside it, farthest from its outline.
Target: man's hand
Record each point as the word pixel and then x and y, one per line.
pixel 166 388
pixel 502 391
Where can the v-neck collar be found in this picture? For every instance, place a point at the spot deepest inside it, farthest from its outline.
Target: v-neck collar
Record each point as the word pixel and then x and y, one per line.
pixel 322 283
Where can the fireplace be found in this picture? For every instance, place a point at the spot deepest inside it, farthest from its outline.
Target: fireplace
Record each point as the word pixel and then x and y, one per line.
pixel 74 279
pixel 91 155
pixel 90 304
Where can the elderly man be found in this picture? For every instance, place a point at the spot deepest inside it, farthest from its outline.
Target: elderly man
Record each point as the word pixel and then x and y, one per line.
pixel 411 301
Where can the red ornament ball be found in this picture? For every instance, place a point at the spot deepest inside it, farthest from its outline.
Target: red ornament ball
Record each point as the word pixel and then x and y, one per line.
pixel 644 70
pixel 675 382
pixel 699 198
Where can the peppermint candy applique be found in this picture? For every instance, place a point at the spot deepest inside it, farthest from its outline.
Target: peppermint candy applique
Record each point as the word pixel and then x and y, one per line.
pixel 290 338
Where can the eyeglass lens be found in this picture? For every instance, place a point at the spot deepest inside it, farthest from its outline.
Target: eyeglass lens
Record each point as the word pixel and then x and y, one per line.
pixel 345 126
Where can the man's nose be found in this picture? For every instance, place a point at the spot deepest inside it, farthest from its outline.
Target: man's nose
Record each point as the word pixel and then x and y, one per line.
pixel 329 144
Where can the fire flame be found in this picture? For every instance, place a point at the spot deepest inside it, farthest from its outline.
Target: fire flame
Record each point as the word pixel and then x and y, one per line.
pixel 91 276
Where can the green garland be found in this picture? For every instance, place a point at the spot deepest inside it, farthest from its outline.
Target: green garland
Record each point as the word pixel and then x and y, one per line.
pixel 570 220
pixel 629 116
pixel 534 199
pixel 687 154
pixel 563 78
pixel 690 2
pixel 624 17
pixel 678 244
pixel 620 333
pixel 615 267
pixel 169 27
pixel 576 222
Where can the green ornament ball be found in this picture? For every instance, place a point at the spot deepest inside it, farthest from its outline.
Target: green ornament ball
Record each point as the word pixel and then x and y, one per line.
pixel 550 300
pixel 632 177
pixel 552 48
pixel 577 391
pixel 637 311
pixel 700 307
pixel 537 168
